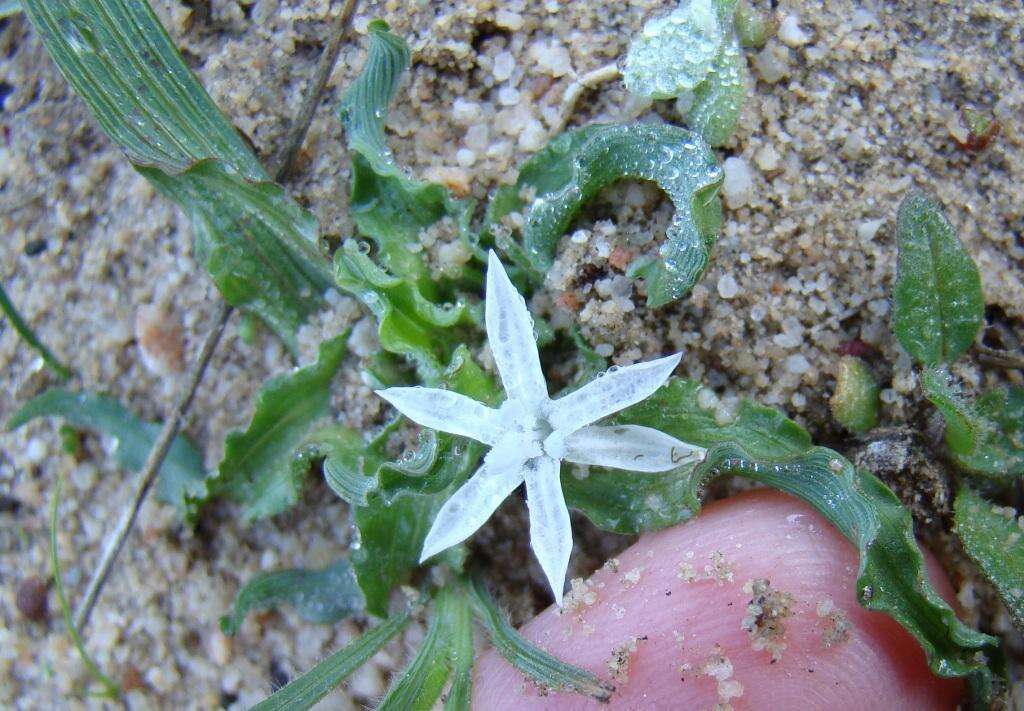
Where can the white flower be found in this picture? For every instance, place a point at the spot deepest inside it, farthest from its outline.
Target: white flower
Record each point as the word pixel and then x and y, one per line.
pixel 530 434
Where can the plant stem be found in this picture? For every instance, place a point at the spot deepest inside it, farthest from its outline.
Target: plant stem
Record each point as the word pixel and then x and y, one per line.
pixel 150 469
pixel 27 335
pixel 285 157
pixel 1000 358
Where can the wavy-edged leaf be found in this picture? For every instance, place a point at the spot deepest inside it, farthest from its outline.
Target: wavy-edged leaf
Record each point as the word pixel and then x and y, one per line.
pixel 259 246
pixel 984 436
pixel 181 480
pixel 322 596
pixel 673 54
pixel 994 538
pixel 387 205
pixel 577 164
pixel 400 511
pixel 420 685
pixel 635 502
pixel 409 324
pixel 256 470
pixel 544 669
pixel 302 693
pixel 718 100
pixel 938 306
pixel 29 336
pixel 891 576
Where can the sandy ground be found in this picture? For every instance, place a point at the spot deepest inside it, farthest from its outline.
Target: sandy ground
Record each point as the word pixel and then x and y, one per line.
pixel 837 129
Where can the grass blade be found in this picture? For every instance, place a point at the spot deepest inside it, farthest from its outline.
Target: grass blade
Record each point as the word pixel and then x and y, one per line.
pixel 315 684
pixel 110 689
pixel 29 336
pixel 537 664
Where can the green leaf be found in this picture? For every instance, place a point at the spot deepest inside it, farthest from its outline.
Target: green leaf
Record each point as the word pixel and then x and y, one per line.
pixel 753 27
pixel 993 538
pixel 304 692
pixel 349 463
pixel 577 164
pixel 538 665
pixel 460 656
pixel 259 246
pixel 29 336
pixel 984 436
pixel 420 684
pixel 410 324
pixel 387 206
pixel 256 470
pixel 854 403
pixel 401 509
pixel 718 101
pixel 322 596
pixel 9 8
pixel 181 479
pixel 674 53
pixel 938 306
pixel 891 577
pixel 635 502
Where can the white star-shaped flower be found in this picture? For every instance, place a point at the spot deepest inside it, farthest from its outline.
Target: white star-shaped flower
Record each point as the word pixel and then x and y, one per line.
pixel 531 434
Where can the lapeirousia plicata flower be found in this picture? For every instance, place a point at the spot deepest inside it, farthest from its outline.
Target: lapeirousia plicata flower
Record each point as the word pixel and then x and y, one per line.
pixel 530 434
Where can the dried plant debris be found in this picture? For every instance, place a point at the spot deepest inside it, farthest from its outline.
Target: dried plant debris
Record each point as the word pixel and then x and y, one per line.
pixel 766 611
pixel 837 623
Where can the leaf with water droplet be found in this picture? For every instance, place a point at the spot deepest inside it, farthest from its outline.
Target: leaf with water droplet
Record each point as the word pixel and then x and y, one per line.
pixel 388 206
pixel 938 306
pixel 994 539
pixel 674 53
pixel 322 595
pixel 181 479
pixel 577 164
pixel 718 101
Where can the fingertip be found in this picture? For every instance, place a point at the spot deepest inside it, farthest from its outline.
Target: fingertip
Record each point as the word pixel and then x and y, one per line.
pixel 667 622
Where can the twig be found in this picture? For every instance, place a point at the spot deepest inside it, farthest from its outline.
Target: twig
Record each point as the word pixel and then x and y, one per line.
pixel 1000 358
pixel 149 470
pixel 173 422
pixel 576 89
pixel 284 158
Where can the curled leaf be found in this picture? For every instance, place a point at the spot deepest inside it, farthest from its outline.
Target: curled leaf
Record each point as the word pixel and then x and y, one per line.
pixel 938 306
pixel 576 165
pixel 322 596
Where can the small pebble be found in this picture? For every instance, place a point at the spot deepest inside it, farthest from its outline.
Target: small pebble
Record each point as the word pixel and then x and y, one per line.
pixel 738 184
pixel 30 599
pixel 790 32
pixel 727 286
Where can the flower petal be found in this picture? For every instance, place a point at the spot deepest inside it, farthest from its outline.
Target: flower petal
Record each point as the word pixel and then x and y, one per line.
pixel 446 411
pixel 632 447
pixel 473 503
pixel 550 530
pixel 510 335
pixel 614 390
